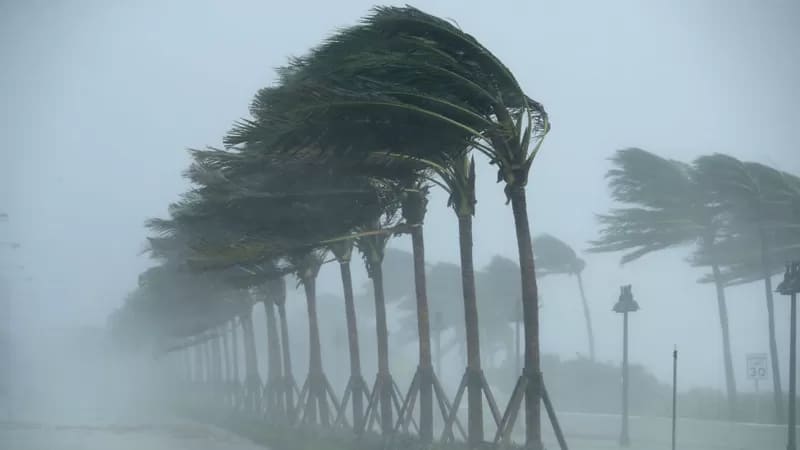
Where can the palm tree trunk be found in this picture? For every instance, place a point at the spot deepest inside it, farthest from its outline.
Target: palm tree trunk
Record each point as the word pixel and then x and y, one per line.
pixel 316 388
pixel 197 374
pixel 209 362
pixel 288 376
pixel 424 332
pixel 235 364
pixel 587 317
pixel 216 353
pixel 474 386
pixel 252 379
pixel 773 346
pixel 530 312
pixel 376 272
pixel 226 353
pixel 275 370
pixel 235 351
pixel 730 379
pixel 352 340
pixel 517 365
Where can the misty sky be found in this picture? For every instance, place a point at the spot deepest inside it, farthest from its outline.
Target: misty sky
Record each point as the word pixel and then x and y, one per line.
pixel 101 98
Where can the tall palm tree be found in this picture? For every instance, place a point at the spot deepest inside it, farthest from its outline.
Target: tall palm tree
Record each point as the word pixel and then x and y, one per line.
pixel 307 265
pixel 372 248
pixel 554 256
pixel 414 208
pixel 665 206
pixel 274 390
pixel 289 383
pixel 252 378
pixel 755 199
pixel 356 386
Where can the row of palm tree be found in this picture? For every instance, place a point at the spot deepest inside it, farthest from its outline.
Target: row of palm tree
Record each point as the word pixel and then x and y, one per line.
pixel 340 153
pixel 740 219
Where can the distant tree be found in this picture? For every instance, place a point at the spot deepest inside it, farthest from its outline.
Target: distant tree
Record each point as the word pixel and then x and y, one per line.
pixel 499 304
pixel 665 207
pixel 554 256
pixel 758 205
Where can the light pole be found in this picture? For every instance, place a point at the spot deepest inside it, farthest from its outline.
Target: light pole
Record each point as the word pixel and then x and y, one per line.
pixel 624 305
pixel 791 286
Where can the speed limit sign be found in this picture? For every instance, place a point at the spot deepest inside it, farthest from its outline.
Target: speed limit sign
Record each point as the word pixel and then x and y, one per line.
pixel 757 366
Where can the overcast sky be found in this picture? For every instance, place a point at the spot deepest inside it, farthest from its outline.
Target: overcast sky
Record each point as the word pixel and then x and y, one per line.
pixel 101 98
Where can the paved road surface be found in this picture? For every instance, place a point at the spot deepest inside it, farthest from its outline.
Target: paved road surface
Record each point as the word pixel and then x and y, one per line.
pixel 175 435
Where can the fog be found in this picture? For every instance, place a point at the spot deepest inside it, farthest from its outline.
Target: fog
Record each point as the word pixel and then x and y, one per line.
pixel 101 99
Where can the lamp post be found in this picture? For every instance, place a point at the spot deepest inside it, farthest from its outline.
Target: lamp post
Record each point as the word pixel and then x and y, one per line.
pixel 791 286
pixel 626 304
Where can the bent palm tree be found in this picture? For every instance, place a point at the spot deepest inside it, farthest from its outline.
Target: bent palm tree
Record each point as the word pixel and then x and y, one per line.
pixel 665 207
pixel 757 200
pixel 356 386
pixel 372 248
pixel 554 256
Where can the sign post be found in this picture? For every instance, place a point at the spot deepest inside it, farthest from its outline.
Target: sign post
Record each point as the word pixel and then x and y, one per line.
pixel 757 370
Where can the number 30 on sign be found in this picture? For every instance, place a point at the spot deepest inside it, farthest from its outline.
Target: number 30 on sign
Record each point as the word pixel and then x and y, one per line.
pixel 757 366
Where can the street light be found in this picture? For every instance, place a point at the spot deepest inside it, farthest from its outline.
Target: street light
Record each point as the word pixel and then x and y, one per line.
pixel 624 305
pixel 791 286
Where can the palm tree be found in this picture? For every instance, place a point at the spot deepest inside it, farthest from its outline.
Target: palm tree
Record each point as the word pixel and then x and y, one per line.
pixel 372 248
pixel 252 378
pixel 414 208
pixel 307 265
pixel 665 207
pixel 289 383
pixel 356 386
pixel 757 200
pixel 554 256
pixel 274 390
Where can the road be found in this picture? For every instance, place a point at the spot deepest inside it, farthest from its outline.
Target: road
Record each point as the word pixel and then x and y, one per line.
pixel 174 435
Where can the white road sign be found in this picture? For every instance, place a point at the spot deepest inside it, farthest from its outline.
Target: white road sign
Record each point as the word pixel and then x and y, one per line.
pixel 757 366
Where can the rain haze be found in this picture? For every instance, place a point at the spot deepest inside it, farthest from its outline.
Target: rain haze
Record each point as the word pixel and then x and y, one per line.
pixel 102 99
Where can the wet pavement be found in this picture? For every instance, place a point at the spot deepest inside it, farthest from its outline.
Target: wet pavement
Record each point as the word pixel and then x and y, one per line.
pixel 172 435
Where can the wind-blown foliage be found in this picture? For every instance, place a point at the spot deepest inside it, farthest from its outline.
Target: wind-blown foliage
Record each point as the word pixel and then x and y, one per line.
pixel 758 204
pixel 347 133
pixel 666 206
pixel 665 210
